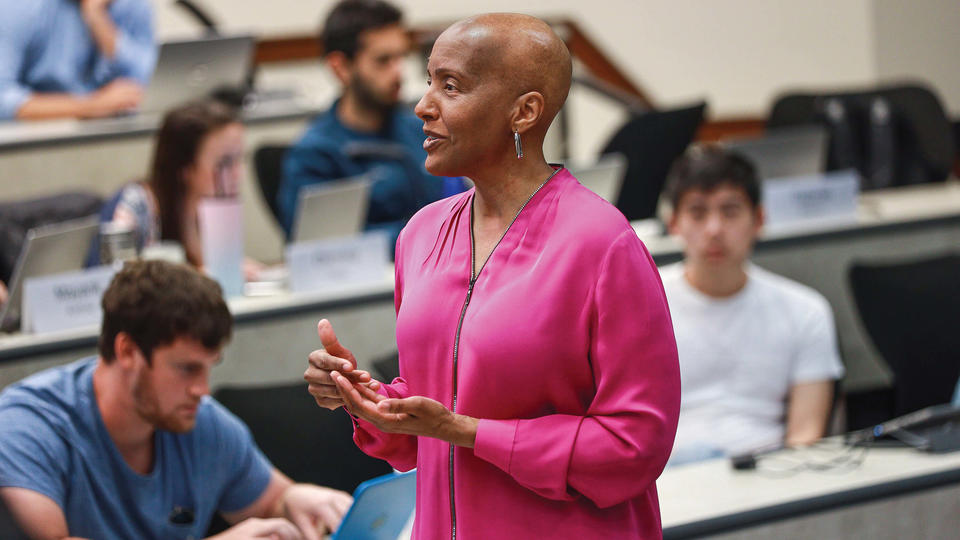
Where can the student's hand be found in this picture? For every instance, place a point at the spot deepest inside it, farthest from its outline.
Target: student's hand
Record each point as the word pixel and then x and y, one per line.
pixel 94 5
pixel 416 415
pixel 273 528
pixel 313 508
pixel 333 357
pixel 116 96
pixel 3 294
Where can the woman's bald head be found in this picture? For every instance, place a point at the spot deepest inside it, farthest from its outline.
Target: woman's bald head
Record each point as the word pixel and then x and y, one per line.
pixel 519 52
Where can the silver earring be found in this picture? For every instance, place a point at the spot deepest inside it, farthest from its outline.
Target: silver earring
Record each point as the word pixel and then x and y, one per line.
pixel 516 142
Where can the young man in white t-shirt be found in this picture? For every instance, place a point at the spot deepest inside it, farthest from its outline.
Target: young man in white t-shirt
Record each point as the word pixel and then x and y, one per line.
pixel 758 352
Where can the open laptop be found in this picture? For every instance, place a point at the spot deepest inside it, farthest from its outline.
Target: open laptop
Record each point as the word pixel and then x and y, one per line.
pixel 193 69
pixel 381 508
pixel 603 177
pixel 784 152
pixel 51 249
pixel 331 210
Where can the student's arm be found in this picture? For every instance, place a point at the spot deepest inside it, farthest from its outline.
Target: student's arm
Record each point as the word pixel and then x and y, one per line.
pixel 117 96
pixel 808 409
pixel 124 36
pixel 38 515
pixel 310 508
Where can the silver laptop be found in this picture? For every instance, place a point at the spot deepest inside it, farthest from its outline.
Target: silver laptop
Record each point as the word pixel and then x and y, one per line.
pixel 784 152
pixel 51 249
pixel 193 69
pixel 605 177
pixel 331 210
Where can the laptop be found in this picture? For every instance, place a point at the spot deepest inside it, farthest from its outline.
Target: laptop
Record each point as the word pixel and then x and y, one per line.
pixel 784 152
pixel 603 177
pixel 331 210
pixel 51 249
pixel 193 69
pixel 381 508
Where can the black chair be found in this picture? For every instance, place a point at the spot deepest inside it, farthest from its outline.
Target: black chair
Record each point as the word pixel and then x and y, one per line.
pixel 304 441
pixel 651 142
pixel 268 164
pixel 911 310
pixel 894 135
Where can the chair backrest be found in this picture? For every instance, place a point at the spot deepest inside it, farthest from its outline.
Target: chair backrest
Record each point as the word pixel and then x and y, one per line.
pixel 304 441
pixel 911 310
pixel 892 135
pixel 651 142
pixel 268 164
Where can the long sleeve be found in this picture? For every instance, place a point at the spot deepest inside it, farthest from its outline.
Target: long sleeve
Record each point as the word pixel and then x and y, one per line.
pixel 135 53
pixel 16 29
pixel 618 449
pixel 399 450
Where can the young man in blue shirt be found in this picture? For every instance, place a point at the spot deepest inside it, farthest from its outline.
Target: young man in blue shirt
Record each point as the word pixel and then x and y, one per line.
pixel 74 58
pixel 366 131
pixel 129 445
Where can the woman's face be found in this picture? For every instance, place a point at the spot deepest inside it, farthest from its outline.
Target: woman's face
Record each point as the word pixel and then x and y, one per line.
pixel 218 169
pixel 465 111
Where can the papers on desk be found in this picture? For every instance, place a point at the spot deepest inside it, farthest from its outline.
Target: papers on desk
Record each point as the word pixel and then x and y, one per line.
pixel 813 201
pixel 328 264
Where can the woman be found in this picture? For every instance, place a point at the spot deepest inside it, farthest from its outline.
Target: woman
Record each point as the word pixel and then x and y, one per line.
pixel 199 153
pixel 539 386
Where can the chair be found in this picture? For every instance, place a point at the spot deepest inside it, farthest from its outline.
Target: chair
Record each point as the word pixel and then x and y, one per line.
pixel 651 142
pixel 911 312
pixel 306 442
pixel 268 164
pixel 893 135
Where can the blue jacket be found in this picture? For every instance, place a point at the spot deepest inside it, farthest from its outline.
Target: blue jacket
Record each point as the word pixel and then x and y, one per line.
pixel 393 158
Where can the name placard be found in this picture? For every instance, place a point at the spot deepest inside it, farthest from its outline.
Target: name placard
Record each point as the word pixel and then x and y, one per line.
pixel 328 264
pixel 64 301
pixel 803 201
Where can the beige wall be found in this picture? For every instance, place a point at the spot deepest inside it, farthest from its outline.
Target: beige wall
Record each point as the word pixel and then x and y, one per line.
pixel 920 41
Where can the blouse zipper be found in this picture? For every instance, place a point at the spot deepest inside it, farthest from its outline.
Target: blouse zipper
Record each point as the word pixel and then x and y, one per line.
pixel 456 342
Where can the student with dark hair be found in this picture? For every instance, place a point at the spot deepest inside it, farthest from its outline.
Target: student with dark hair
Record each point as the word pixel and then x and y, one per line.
pixel 199 153
pixel 366 130
pixel 758 354
pixel 129 445
pixel 74 58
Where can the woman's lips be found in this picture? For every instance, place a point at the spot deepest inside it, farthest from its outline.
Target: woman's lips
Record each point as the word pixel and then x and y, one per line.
pixel 431 142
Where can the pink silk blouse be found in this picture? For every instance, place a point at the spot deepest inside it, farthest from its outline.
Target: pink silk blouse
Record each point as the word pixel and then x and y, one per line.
pixel 566 354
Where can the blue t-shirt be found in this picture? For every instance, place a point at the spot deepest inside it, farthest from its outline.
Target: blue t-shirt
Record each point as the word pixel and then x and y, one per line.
pixel 393 158
pixel 53 441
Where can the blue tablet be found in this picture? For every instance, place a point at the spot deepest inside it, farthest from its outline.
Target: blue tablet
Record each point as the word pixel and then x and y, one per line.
pixel 381 507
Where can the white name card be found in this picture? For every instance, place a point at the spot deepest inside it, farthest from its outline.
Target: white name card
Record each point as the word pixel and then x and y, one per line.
pixel 803 201
pixel 64 301
pixel 328 264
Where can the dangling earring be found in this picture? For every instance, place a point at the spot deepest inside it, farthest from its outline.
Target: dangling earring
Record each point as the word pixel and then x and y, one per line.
pixel 516 142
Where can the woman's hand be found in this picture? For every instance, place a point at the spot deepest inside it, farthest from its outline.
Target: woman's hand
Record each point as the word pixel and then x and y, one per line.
pixel 415 415
pixel 333 356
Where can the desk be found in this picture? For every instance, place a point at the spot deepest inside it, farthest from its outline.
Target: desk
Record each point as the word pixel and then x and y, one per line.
pixel 894 493
pixel 40 158
pixel 271 340
pixel 904 222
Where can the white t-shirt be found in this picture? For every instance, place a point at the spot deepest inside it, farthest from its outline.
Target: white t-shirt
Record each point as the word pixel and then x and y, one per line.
pixel 739 357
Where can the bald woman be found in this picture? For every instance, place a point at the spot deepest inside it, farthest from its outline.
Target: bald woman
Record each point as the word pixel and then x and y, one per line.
pixel 539 386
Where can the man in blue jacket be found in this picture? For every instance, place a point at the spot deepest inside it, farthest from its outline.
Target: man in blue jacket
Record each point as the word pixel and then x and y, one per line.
pixel 366 131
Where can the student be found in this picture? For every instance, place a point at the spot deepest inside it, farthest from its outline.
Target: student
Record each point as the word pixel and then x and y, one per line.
pixel 365 46
pixel 199 153
pixel 129 444
pixel 74 58
pixel 758 354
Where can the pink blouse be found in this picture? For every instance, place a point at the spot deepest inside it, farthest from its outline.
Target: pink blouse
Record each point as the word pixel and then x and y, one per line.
pixel 566 354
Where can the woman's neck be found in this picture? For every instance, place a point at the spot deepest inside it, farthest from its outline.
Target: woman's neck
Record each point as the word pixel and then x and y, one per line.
pixel 501 194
